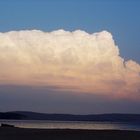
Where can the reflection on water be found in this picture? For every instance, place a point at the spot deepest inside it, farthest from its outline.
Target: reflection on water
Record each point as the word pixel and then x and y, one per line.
pixel 72 124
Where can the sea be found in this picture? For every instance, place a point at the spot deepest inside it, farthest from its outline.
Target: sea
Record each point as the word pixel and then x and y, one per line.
pixel 43 124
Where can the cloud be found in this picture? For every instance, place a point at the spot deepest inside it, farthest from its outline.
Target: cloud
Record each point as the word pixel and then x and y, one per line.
pixel 73 61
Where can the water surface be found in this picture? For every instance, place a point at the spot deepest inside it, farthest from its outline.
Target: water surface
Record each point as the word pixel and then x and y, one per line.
pixel 42 124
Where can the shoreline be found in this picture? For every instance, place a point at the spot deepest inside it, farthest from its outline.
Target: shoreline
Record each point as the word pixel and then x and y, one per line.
pixel 66 134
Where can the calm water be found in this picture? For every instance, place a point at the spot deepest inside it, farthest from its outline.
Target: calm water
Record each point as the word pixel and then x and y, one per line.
pixel 72 124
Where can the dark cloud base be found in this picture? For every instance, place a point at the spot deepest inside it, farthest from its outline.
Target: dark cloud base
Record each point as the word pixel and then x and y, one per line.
pixel 51 101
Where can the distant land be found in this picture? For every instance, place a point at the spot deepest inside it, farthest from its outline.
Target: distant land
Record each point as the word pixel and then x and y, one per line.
pixel 25 115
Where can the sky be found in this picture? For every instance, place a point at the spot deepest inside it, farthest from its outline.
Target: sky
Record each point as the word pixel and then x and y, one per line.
pixel 70 56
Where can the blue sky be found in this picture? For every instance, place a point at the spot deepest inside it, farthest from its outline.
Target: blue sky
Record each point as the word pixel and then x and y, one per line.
pixel 120 17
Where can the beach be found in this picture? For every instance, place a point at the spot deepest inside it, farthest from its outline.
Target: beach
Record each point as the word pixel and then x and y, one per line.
pixel 66 134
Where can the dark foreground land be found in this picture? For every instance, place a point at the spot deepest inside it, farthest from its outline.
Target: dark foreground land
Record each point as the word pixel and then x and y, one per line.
pixel 66 134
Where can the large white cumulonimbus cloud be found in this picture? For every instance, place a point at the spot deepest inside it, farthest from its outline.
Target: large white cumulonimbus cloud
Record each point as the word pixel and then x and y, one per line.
pixel 75 61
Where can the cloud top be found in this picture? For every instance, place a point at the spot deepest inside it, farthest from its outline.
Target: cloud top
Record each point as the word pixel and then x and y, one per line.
pixel 75 61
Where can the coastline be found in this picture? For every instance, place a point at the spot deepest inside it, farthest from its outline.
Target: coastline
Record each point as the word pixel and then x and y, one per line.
pixel 66 134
